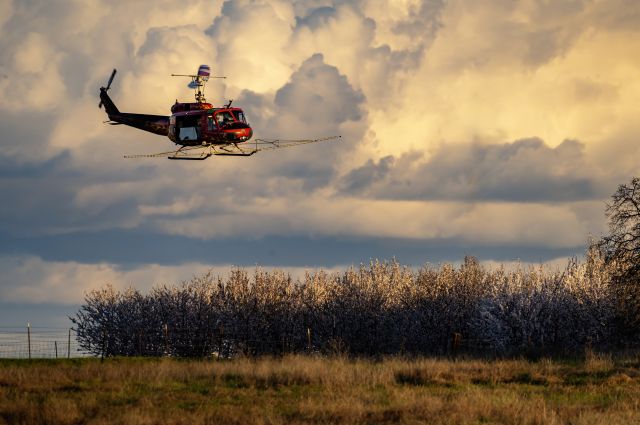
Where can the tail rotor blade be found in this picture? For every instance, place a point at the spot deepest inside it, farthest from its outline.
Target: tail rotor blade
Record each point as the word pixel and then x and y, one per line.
pixel 113 74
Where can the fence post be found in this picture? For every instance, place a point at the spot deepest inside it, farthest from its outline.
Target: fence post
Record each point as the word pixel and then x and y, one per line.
pixel 69 345
pixel 29 338
pixel 55 344
pixel 220 337
pixel 456 342
pixel 309 339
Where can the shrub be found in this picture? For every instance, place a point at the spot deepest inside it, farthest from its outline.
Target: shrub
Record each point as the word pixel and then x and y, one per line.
pixel 376 309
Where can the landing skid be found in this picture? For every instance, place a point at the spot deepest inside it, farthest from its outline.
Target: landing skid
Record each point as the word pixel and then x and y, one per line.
pixel 233 150
pixel 190 158
pixel 198 153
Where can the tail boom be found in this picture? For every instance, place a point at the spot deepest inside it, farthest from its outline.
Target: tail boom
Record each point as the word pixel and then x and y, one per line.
pixel 157 124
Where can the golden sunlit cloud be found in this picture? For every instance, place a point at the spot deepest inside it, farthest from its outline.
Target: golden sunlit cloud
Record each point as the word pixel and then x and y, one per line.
pixel 496 123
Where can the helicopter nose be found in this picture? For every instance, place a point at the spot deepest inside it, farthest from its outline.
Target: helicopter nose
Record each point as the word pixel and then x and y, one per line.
pixel 240 134
pixel 244 134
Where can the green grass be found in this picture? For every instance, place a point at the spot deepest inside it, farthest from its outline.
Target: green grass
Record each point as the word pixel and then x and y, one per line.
pixel 298 389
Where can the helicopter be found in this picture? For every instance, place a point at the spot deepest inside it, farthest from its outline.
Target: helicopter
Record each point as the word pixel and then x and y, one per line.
pixel 198 128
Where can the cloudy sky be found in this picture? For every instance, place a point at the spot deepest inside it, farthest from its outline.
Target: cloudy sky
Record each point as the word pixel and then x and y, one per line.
pixel 492 128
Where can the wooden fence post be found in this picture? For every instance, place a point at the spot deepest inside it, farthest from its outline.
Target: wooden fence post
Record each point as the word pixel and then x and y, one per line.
pixel 309 339
pixel 69 345
pixel 456 342
pixel 220 339
pixel 55 344
pixel 29 338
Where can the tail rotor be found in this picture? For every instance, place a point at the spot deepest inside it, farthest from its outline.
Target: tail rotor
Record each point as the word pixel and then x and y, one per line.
pixel 106 89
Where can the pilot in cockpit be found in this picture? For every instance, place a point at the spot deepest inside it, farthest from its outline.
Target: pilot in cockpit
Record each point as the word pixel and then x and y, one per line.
pixel 224 118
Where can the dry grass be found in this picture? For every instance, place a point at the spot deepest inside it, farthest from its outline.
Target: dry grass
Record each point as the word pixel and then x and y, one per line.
pixel 300 389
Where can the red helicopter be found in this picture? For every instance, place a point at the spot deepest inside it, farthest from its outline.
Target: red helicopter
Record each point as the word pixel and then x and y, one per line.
pixel 200 129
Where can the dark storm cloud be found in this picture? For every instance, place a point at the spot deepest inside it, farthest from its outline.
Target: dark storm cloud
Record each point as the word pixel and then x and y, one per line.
pixel 130 249
pixel 43 196
pixel 10 169
pixel 44 203
pixel 526 170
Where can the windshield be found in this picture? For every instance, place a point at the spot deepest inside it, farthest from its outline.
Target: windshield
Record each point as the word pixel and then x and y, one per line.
pixel 240 116
pixel 224 118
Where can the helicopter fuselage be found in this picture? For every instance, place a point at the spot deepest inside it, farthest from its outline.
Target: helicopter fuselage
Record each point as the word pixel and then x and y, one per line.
pixel 193 124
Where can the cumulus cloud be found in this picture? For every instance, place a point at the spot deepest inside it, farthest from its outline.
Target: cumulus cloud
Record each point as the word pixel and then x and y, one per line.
pixel 318 93
pixel 526 170
pixel 424 94
pixel 253 38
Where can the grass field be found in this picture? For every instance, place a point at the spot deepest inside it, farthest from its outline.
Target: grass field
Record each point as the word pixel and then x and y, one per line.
pixel 298 389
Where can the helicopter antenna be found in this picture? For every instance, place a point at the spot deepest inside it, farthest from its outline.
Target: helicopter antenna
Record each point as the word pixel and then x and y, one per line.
pixel 198 81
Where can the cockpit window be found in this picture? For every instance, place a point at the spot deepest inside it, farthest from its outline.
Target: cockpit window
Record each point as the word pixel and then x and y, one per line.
pixel 240 116
pixel 224 118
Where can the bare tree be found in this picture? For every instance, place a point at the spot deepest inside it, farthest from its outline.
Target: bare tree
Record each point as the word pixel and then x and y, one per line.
pixel 621 249
pixel 623 242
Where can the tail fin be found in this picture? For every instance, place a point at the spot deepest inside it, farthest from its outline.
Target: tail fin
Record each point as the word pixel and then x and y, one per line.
pixel 105 100
pixel 157 124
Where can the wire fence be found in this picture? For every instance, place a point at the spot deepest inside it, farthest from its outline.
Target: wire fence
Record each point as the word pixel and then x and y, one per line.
pixel 39 342
pixel 216 342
